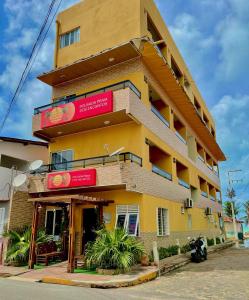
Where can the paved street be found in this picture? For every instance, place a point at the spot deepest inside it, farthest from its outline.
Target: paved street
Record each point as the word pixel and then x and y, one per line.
pixel 224 276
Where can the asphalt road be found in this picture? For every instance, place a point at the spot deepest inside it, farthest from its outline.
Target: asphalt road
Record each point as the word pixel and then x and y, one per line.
pixel 224 276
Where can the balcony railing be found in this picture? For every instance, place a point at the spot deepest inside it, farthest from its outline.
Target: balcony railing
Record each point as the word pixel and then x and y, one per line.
pixel 113 87
pixel 210 167
pixel 212 198
pixel 201 158
pixel 183 183
pixel 83 163
pixel 204 194
pixel 180 137
pixel 161 172
pixel 159 115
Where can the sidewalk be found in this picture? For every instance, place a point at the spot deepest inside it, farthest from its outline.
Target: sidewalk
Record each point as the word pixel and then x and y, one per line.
pixel 57 274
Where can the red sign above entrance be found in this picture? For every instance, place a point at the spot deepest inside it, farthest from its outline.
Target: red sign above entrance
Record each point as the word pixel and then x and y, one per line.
pixel 78 110
pixel 70 179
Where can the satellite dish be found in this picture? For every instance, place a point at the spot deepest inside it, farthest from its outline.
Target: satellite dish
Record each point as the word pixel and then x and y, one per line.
pixel 117 151
pixel 19 180
pixel 35 165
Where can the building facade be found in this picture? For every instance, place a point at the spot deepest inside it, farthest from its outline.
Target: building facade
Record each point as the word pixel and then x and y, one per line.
pixel 15 157
pixel 131 141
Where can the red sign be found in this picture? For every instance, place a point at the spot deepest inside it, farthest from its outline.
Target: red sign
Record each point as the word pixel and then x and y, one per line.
pixel 67 179
pixel 78 110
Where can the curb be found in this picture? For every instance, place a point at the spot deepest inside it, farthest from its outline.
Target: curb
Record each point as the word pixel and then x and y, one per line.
pixel 134 281
pixel 102 284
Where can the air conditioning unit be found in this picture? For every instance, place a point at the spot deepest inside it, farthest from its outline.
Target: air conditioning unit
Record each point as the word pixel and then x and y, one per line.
pixel 188 203
pixel 208 211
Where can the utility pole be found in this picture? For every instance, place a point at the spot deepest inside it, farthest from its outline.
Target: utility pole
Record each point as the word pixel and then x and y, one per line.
pixel 231 195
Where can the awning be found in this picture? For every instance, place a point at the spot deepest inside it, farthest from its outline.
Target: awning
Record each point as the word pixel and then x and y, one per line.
pixel 79 199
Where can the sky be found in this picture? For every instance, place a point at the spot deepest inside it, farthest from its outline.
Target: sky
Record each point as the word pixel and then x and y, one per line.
pixel 212 36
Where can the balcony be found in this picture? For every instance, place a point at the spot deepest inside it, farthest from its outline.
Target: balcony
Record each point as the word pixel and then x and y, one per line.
pixel 159 115
pixel 95 109
pixel 161 172
pixel 183 183
pixel 108 173
pixel 204 194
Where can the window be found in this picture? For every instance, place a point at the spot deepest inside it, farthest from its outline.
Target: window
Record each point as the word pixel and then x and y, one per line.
pixel 70 38
pixel 162 222
pixel 128 218
pixel 60 160
pixel 2 216
pixel 53 222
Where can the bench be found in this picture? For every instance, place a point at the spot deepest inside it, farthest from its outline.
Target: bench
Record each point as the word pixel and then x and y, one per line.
pixel 46 251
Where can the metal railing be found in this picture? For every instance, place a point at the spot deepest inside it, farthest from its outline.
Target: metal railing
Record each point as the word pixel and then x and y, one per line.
pixel 159 115
pixel 204 194
pixel 114 87
pixel 201 158
pixel 83 163
pixel 183 183
pixel 212 198
pixel 161 172
pixel 180 137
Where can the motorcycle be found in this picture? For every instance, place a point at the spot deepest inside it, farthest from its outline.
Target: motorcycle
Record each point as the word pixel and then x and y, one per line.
pixel 198 250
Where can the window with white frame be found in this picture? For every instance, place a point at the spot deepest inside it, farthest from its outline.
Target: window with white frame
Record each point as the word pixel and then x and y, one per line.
pixel 2 217
pixel 70 38
pixel 128 218
pixel 53 222
pixel 162 221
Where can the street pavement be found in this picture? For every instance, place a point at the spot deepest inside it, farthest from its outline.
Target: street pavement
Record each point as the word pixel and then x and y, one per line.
pixel 225 275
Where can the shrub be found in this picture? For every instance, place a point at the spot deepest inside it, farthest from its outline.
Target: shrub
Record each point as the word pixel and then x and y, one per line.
pixel 19 243
pixel 210 242
pixel 167 252
pixel 185 248
pixel 217 240
pixel 113 250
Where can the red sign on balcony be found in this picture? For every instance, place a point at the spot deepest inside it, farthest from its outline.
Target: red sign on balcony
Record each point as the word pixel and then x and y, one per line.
pixel 78 110
pixel 70 179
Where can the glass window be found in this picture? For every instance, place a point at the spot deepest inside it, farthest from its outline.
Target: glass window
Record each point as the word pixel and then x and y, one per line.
pixel 162 222
pixel 70 38
pixel 128 218
pixel 53 222
pixel 60 160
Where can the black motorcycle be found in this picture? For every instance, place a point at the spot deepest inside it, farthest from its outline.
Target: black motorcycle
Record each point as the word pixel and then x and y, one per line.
pixel 198 250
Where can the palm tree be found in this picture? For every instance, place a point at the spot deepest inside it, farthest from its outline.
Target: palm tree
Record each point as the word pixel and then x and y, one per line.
pixel 228 208
pixel 19 243
pixel 114 250
pixel 246 211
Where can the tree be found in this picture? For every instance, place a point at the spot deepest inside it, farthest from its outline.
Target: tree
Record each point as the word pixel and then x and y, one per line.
pixel 246 211
pixel 228 208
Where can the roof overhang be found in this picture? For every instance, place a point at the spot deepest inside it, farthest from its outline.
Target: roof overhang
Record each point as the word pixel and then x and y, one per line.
pixel 85 66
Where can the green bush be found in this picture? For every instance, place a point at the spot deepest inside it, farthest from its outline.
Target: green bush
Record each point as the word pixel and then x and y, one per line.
pixel 185 248
pixel 217 240
pixel 19 244
pixel 167 252
pixel 210 242
pixel 113 250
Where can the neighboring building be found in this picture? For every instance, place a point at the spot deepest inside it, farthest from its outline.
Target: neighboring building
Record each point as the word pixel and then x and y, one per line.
pixel 229 229
pixel 119 82
pixel 15 157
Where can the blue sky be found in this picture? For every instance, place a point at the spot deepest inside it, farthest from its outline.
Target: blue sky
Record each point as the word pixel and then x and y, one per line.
pixel 213 37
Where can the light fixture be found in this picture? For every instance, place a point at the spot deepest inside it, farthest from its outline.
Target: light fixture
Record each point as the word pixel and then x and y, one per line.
pixel 111 59
pixel 107 122
pixel 59 132
pixel 62 76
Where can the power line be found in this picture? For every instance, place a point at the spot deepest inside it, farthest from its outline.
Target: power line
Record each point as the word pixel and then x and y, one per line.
pixel 30 61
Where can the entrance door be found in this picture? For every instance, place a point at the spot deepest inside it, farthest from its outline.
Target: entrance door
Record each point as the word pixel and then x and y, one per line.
pixel 90 224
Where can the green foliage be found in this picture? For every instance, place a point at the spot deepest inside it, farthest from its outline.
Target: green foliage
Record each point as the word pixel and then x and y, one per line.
pixel 210 242
pixel 228 209
pixel 167 252
pixel 217 241
pixel 185 248
pixel 113 250
pixel 19 243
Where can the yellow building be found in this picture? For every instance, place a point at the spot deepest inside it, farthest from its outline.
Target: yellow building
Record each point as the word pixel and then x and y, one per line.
pixel 131 140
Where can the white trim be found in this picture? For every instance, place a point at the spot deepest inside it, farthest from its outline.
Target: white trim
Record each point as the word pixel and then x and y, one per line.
pixel 167 228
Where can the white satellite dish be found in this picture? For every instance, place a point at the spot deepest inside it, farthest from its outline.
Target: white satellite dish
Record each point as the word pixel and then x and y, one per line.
pixel 35 165
pixel 19 180
pixel 117 151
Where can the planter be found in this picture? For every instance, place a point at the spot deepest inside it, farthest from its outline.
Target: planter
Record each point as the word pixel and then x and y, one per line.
pixel 109 271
